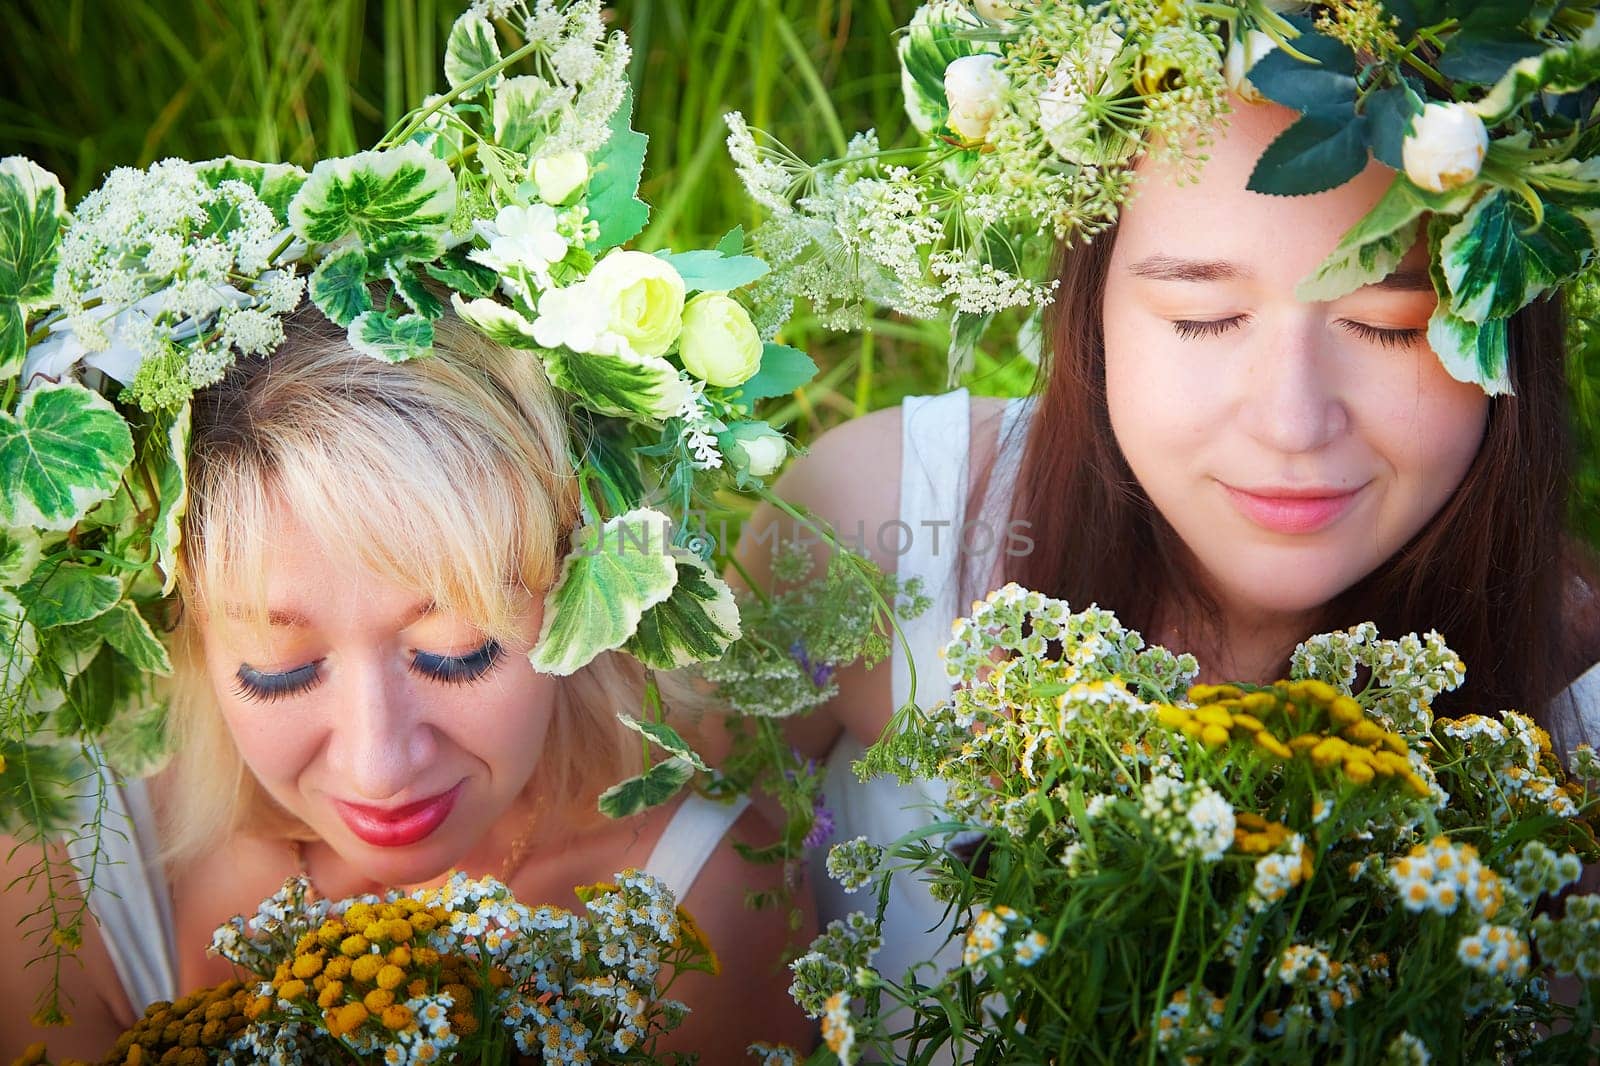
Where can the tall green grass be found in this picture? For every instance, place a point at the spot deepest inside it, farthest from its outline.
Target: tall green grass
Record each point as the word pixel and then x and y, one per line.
pixel 90 84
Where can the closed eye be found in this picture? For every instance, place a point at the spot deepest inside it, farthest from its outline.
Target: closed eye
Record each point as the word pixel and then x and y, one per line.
pixel 1388 338
pixel 457 669
pixel 1189 329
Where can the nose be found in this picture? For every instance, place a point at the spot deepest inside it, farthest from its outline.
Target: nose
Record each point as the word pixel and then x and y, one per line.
pixel 380 739
pixel 1292 400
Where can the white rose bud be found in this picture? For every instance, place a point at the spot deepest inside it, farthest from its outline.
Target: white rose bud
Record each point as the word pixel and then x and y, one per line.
pixel 557 177
pixel 975 89
pixel 1244 53
pixel 763 448
pixel 720 345
pixel 1445 147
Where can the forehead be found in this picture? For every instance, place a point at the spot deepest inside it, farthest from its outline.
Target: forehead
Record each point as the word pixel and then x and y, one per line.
pixel 1282 238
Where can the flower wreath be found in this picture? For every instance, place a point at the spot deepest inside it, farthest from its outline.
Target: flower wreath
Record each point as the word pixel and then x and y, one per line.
pixel 1031 113
pixel 511 194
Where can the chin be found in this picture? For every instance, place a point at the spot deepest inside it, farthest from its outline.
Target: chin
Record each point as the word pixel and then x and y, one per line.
pixel 409 865
pixel 1284 585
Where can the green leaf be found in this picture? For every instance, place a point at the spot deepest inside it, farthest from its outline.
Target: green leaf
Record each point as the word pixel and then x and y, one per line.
pixel 518 120
pixel 611 461
pixel 13 339
pixel 783 369
pixel 32 213
pixel 1565 68
pixel 666 738
pixel 1483 60
pixel 338 286
pixel 275 183
pixel 712 271
pixel 20 550
pixel 732 242
pixel 136 742
pixel 1496 261
pixel 1374 246
pixel 472 49
pixel 650 789
pixel 62 452
pixel 405 246
pixel 40 787
pixel 627 385
pixel 65 594
pixel 613 574
pixel 413 291
pixel 936 37
pixel 1470 353
pixel 173 486
pixel 1320 151
pixel 1391 112
pixel 125 629
pixel 614 173
pixel 19 643
pixel 1328 85
pixel 696 623
pixel 472 280
pixel 91 701
pixel 501 324
pixel 965 330
pixel 375 193
pixel 392 339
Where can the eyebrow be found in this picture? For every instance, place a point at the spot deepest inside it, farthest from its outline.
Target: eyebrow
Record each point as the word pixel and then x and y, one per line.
pixel 1172 268
pixel 290 618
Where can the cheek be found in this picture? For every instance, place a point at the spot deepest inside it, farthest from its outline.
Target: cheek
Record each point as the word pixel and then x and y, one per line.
pixel 1428 428
pixel 506 725
pixel 1158 403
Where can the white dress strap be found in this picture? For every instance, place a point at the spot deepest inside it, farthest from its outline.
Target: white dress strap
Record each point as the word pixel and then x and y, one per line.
pixel 690 839
pixel 129 899
pixel 935 437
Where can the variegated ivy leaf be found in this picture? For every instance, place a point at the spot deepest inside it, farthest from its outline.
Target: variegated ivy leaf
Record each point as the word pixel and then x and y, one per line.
pixel 935 39
pixel 62 452
pixel 495 320
pixel 275 183
pixel 394 340
pixel 664 737
pixel 1470 353
pixel 614 573
pixel 405 246
pixel 650 789
pixel 32 213
pixel 172 483
pixel 66 593
pixel 411 289
pixel 522 112
pixel 1374 246
pixel 696 623
pixel 472 49
pixel 338 286
pixel 1565 68
pixel 136 743
pixel 19 643
pixel 13 339
pixel 1497 259
pixel 41 787
pixel 375 193
pixel 125 629
pixel 20 549
pixel 625 384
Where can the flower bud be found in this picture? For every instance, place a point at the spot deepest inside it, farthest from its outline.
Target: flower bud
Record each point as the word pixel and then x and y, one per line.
pixel 762 447
pixel 557 177
pixel 1244 53
pixel 1445 147
pixel 720 344
pixel 995 10
pixel 975 89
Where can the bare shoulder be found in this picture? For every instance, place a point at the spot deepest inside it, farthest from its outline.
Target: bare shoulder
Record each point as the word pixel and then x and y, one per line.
pixel 748 999
pixel 91 995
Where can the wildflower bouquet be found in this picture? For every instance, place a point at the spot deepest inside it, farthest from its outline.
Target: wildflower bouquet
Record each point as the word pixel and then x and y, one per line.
pixel 1314 870
pixel 1029 116
pixel 462 973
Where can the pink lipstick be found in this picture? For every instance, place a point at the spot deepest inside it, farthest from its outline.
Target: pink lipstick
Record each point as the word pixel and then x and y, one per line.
pixel 1291 511
pixel 397 827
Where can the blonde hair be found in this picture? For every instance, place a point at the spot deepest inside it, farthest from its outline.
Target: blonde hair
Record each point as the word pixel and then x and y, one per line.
pixel 448 474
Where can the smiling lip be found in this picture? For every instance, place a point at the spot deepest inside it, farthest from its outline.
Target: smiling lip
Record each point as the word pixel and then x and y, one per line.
pixel 396 827
pixel 1285 510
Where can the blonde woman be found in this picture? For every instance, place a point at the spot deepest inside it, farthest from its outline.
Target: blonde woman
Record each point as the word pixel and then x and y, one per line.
pixel 365 556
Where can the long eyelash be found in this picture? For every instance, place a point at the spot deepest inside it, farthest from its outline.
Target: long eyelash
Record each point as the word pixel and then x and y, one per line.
pixel 1389 338
pixel 260 690
pixel 457 669
pixel 1189 329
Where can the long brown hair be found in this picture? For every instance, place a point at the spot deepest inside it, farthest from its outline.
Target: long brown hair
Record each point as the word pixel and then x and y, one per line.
pixel 1495 571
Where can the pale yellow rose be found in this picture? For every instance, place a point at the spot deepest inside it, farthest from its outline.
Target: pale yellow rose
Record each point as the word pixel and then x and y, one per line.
pixel 644 299
pixel 720 343
pixel 557 177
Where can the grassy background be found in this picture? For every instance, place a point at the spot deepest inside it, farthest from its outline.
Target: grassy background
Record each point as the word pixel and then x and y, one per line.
pixel 86 85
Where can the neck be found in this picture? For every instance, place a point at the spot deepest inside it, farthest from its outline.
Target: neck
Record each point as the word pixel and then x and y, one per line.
pixel 1248 645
